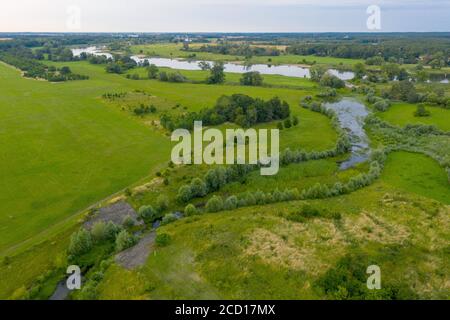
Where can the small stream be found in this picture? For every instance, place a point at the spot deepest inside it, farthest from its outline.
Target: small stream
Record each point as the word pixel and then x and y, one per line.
pixel 351 115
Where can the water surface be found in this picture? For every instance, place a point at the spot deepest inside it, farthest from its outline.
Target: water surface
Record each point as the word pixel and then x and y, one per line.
pixel 351 115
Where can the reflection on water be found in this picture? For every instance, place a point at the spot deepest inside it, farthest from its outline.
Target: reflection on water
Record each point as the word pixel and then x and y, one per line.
pixel 351 115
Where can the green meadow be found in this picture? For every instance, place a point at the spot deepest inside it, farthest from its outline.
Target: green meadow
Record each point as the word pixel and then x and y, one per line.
pixel 64 148
pixel 257 253
pixel 403 113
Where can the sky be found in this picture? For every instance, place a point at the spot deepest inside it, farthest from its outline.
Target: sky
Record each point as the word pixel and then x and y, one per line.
pixel 224 15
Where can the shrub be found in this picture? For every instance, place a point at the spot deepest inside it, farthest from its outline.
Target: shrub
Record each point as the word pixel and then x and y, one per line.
pixel 128 221
pixel 163 239
pixel 124 241
pixel 190 210
pixel 251 79
pixel 148 214
pixel 421 111
pixel 99 231
pixel 80 243
pixel 381 105
pixel 198 188
pixel 162 202
pixel 184 194
pixel 231 203
pixel 169 218
pixel 215 204
pixel 329 80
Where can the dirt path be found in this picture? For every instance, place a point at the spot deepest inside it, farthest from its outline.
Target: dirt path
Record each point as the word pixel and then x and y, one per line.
pixel 137 255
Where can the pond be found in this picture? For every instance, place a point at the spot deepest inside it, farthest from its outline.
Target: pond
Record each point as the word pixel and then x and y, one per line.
pixel 351 115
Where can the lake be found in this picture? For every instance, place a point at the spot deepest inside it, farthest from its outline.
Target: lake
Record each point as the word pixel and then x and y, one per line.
pixel 180 64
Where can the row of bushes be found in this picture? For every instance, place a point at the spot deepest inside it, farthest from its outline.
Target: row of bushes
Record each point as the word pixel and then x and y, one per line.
pixel 318 191
pixel 82 241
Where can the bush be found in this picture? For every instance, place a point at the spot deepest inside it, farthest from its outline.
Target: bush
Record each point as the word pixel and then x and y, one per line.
pixel 190 210
pixel 251 79
pixel 148 214
pixel 128 222
pixel 163 240
pixel 381 105
pixel 124 241
pixel 421 111
pixel 162 202
pixel 184 194
pixel 198 188
pixel 215 204
pixel 231 203
pixel 102 231
pixel 169 218
pixel 329 80
pixel 80 243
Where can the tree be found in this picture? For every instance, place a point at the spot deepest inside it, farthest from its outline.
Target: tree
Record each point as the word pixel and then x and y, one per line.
pixel 253 78
pixel 128 221
pixel 215 204
pixel 421 111
pixel 360 70
pixel 184 194
pixel 190 210
pixel 295 121
pixel 163 76
pixel 217 73
pixel 80 243
pixel 153 71
pixel 147 213
pixel 317 72
pixel 231 203
pixel 65 70
pixel 332 81
pixel 204 65
pixel 287 123
pixel 280 126
pixel 124 241
pixel 198 188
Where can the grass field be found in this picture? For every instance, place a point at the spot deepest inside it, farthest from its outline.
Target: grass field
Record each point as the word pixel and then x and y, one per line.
pixel 403 113
pixel 65 147
pixel 418 174
pixel 108 150
pixel 255 253
pixel 62 150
